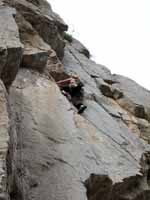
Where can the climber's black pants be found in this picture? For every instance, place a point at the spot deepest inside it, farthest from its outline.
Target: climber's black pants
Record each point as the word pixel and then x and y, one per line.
pixel 76 93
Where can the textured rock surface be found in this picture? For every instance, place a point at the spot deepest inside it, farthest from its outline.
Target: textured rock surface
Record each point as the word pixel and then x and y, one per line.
pixel 54 153
pixel 10 45
pixel 63 153
pixel 49 27
pixel 36 51
pixel 4 138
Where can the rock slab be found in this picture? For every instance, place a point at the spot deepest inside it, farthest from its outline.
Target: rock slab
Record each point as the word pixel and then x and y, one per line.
pixel 10 45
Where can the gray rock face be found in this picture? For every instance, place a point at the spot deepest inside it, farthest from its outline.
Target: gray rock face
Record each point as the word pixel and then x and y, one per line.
pixel 54 153
pixel 63 153
pixel 4 139
pixel 36 51
pixel 10 45
pixel 137 98
pixel 43 23
pixel 119 96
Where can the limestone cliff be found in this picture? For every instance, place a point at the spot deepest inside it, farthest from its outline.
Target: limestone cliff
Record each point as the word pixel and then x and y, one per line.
pixel 48 151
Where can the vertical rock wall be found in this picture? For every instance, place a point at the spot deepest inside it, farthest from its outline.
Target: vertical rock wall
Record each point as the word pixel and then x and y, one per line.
pixel 4 139
pixel 47 150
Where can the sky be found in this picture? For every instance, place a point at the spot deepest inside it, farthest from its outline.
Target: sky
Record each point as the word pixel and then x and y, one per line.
pixel 117 33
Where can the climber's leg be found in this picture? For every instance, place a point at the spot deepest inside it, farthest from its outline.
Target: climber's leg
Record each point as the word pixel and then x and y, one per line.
pixel 78 103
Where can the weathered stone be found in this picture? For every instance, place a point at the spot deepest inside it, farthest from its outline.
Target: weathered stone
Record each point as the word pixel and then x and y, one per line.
pixel 117 94
pixel 54 68
pixel 139 111
pixel 74 63
pixel 144 128
pixel 36 51
pixel 10 45
pixel 80 47
pixel 44 24
pixel 135 97
pixel 35 60
pixel 46 9
pixel 101 187
pixel 61 149
pixel 106 90
pixel 54 153
pixel 4 138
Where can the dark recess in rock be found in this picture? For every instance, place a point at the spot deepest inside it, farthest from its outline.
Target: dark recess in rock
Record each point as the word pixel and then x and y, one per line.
pixel 106 91
pixel 140 111
pixel 85 52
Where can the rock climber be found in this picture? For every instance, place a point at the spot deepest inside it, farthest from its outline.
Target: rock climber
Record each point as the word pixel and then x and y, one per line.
pixel 72 88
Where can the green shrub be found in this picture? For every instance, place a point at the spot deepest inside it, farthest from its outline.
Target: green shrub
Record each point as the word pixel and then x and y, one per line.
pixel 68 37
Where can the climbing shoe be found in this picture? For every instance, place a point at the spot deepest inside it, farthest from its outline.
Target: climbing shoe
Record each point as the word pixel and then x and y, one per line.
pixel 81 109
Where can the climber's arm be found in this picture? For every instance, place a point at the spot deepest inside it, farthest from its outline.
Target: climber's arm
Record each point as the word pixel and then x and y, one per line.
pixel 63 82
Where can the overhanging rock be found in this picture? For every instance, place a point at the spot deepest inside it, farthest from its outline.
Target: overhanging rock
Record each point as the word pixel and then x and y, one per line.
pixel 45 23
